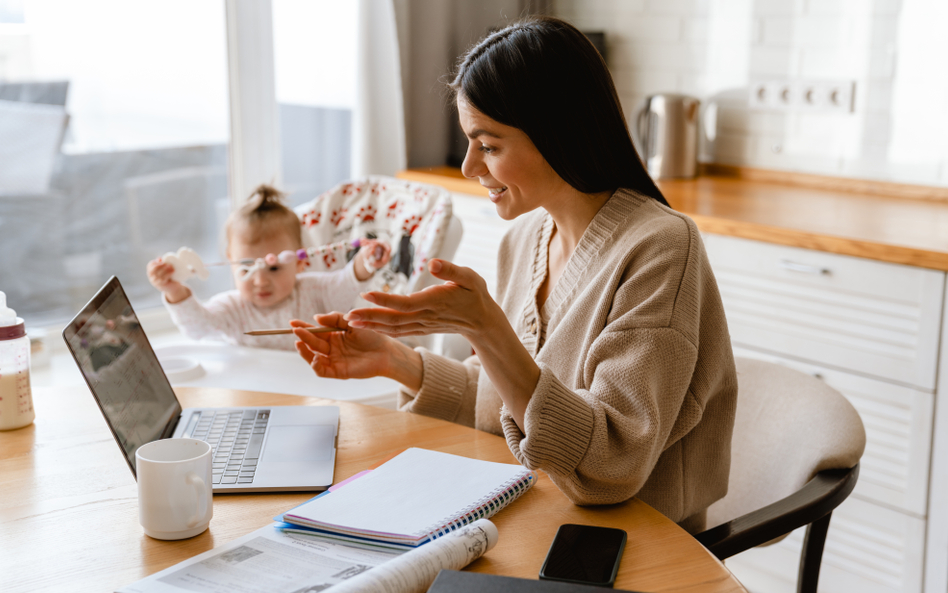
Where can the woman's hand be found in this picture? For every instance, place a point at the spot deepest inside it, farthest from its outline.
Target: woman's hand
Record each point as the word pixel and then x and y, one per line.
pixel 356 353
pixel 462 305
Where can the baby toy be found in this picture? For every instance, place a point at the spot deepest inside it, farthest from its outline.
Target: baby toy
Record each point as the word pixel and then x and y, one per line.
pixel 187 263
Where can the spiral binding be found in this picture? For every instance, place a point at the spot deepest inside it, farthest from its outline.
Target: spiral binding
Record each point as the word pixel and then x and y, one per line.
pixel 482 509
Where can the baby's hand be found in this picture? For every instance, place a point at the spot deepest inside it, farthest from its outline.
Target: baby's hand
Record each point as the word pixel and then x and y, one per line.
pixel 159 274
pixel 372 255
pixel 378 252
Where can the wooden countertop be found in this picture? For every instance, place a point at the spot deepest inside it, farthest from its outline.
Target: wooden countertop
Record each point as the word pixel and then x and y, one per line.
pixel 885 222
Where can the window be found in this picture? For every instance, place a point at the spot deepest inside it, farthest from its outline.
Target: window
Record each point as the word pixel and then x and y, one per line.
pixel 113 146
pixel 314 43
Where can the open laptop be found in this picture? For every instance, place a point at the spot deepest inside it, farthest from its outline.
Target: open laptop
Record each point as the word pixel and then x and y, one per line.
pixel 268 449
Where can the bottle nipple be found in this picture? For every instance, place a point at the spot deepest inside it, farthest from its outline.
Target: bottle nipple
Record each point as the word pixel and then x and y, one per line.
pixel 7 315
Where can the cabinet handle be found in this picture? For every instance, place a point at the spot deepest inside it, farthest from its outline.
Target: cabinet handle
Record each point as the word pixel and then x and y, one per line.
pixel 793 266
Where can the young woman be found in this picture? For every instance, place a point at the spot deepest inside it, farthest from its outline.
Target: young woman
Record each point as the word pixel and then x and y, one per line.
pixel 606 360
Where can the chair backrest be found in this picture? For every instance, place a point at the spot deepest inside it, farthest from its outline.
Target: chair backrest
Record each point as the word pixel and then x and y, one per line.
pixel 414 218
pixel 788 427
pixel 452 239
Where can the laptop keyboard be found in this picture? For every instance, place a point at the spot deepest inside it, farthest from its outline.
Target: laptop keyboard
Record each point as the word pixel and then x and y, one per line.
pixel 235 438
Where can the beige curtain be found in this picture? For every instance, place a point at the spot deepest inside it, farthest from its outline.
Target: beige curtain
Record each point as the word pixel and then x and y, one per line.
pixel 378 118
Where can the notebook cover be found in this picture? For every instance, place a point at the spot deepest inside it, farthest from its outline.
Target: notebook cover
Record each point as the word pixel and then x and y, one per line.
pixel 454 581
pixel 417 496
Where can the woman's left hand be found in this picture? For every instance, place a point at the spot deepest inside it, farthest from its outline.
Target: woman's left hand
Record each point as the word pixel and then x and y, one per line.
pixel 462 305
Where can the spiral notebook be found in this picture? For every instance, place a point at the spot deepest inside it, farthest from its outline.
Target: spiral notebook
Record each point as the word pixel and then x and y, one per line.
pixel 415 497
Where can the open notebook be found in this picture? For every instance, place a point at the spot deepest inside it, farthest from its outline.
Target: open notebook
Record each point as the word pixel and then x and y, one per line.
pixel 415 497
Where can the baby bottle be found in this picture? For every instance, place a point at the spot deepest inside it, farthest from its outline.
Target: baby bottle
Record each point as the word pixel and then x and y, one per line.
pixel 16 399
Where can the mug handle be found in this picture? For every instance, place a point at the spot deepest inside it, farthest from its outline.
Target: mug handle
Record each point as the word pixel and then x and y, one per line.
pixel 639 131
pixel 200 489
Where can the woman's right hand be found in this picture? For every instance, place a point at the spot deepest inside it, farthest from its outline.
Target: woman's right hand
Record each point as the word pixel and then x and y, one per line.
pixel 354 353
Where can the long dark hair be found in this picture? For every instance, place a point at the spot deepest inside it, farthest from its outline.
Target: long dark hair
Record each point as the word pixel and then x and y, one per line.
pixel 544 77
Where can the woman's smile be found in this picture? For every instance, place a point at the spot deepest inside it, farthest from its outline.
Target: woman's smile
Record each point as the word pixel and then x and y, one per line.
pixel 495 193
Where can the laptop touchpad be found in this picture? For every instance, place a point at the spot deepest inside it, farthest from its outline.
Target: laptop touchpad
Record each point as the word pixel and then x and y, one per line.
pixel 298 443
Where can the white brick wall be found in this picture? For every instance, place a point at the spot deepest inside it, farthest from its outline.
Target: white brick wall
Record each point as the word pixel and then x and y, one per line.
pixel 714 49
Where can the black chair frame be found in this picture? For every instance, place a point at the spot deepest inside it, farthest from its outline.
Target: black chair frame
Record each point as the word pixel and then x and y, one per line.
pixel 811 505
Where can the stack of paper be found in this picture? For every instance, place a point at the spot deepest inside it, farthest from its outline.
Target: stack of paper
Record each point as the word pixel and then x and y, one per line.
pixel 416 497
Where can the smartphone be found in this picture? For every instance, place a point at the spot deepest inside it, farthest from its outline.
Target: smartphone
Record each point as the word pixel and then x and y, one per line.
pixel 584 554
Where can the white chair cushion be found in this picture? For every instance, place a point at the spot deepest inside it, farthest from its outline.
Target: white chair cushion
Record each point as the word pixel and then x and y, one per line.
pixel 788 427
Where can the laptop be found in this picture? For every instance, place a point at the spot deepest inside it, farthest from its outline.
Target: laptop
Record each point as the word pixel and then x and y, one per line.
pixel 266 449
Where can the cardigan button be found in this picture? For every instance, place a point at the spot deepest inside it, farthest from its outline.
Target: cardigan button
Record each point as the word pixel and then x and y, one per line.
pixel 533 328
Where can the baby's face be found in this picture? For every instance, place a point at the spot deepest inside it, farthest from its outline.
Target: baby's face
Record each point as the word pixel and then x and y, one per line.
pixel 268 286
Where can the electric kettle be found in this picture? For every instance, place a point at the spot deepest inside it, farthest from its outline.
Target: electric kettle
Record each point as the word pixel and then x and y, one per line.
pixel 665 133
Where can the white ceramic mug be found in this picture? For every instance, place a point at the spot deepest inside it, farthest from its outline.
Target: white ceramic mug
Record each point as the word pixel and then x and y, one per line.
pixel 175 498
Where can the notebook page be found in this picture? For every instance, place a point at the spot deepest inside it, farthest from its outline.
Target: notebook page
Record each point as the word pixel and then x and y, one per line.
pixel 416 491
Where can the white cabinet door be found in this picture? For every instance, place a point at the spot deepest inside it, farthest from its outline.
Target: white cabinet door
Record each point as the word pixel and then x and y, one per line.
pixel 871 330
pixel 877 319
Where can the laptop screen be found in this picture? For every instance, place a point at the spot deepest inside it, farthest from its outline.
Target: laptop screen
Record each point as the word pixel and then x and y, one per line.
pixel 121 369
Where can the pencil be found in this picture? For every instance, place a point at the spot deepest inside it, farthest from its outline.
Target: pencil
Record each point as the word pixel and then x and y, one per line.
pixel 289 330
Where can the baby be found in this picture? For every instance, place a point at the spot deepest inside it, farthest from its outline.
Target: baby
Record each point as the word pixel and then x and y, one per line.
pixel 270 292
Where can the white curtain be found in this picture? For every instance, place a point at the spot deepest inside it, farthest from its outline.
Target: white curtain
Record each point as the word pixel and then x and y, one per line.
pixel 378 116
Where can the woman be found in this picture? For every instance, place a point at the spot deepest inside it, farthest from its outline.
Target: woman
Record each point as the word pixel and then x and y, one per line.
pixel 606 361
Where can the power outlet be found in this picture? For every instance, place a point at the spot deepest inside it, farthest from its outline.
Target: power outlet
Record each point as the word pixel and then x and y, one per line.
pixel 804 95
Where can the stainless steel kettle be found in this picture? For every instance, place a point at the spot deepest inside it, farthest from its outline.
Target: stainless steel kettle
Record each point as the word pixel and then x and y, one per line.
pixel 665 132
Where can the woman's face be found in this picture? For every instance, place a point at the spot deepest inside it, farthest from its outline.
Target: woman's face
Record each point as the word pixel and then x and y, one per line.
pixel 506 162
pixel 271 284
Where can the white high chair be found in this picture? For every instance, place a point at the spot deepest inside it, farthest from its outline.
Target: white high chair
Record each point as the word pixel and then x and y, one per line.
pixel 414 218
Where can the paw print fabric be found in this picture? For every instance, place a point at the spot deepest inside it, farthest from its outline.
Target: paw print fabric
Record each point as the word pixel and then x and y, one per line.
pixel 411 217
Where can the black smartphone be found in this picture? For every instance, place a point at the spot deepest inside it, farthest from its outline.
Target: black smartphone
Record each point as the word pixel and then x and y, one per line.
pixel 584 554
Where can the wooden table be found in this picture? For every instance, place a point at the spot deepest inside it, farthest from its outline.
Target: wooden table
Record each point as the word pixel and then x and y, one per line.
pixel 69 512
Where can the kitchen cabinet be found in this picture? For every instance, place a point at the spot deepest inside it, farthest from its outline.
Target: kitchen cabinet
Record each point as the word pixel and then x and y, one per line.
pixel 871 330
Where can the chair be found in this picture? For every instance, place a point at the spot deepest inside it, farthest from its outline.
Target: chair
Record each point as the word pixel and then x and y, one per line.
pixel 414 218
pixel 794 458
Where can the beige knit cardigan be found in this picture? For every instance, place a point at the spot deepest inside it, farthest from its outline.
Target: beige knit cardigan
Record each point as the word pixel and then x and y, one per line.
pixel 637 388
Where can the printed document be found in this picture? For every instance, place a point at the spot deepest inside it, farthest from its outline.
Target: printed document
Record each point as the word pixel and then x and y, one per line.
pixel 270 560
pixel 265 561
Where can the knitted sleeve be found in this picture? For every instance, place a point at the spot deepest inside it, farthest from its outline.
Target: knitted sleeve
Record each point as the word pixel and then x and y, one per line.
pixel 599 445
pixel 448 389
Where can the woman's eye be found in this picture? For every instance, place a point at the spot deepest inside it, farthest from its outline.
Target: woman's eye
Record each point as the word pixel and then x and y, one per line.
pixel 274 268
pixel 486 149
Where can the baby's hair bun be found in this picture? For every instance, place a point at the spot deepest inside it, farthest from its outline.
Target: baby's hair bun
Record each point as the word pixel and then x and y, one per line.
pixel 265 197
